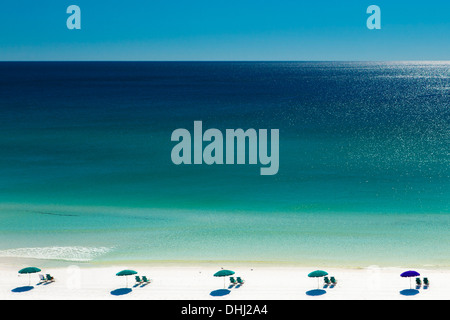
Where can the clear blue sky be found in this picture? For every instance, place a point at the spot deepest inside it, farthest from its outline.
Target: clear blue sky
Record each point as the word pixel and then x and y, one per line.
pixel 225 30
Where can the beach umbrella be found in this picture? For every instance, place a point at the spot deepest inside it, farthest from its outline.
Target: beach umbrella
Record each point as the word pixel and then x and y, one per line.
pixel 317 274
pixel 223 273
pixel 410 274
pixel 126 273
pixel 29 271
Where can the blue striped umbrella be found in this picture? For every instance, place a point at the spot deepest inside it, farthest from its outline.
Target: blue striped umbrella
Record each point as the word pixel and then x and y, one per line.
pixel 410 274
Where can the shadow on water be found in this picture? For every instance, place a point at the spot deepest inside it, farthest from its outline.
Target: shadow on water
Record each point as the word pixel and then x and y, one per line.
pixel 409 292
pixel 220 292
pixel 315 292
pixel 121 291
pixel 22 289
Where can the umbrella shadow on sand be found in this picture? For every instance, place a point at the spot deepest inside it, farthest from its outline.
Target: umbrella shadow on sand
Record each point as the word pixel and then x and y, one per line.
pixel 120 292
pixel 219 292
pixel 315 292
pixel 409 292
pixel 22 289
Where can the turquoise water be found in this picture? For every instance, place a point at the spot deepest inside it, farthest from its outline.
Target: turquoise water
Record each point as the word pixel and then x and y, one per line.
pixel 364 163
pixel 331 239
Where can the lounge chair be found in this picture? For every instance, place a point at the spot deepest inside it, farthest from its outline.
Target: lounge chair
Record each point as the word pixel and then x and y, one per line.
pixel 145 280
pixel 239 280
pixel 233 281
pixel 326 280
pixel 50 278
pixel 418 282
pixel 426 282
pixel 138 279
pixel 333 280
pixel 42 278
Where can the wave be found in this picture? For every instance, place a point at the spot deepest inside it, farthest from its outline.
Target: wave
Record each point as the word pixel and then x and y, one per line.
pixel 79 254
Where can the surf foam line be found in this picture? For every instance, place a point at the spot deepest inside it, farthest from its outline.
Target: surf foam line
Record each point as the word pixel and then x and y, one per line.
pixel 76 253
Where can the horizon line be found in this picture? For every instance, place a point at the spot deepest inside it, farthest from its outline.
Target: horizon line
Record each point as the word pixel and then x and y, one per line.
pixel 1 61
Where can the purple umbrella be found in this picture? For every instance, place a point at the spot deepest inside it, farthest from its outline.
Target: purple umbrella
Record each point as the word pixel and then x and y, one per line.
pixel 410 274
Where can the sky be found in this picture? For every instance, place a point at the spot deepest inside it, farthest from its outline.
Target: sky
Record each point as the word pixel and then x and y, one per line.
pixel 224 30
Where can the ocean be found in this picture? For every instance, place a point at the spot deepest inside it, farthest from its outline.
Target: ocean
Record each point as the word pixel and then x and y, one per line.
pixel 364 163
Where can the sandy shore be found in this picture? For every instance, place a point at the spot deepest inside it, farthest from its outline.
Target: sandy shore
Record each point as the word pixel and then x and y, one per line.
pixel 196 282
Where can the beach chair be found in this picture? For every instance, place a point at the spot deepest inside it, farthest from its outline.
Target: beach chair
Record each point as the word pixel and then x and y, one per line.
pixel 233 281
pixel 145 280
pixel 138 279
pixel 326 280
pixel 50 278
pixel 418 282
pixel 333 280
pixel 239 280
pixel 426 282
pixel 42 278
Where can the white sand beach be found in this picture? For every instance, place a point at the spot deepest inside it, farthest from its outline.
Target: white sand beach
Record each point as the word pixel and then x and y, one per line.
pixel 191 281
